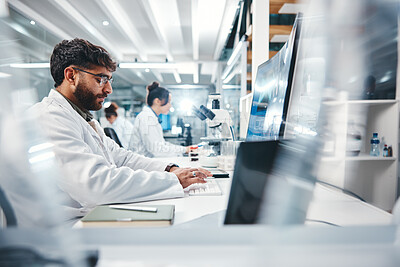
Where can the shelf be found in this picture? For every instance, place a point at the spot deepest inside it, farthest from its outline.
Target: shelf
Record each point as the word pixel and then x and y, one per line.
pixel 371 102
pixel 370 158
pixel 279 30
pixel 363 157
pixel 276 5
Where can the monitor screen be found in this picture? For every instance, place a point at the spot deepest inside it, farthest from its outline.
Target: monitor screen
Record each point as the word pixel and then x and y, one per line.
pixel 272 183
pixel 254 162
pixel 272 91
pixel 165 122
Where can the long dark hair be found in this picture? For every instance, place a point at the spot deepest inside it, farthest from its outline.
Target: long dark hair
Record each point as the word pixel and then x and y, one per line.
pixel 155 91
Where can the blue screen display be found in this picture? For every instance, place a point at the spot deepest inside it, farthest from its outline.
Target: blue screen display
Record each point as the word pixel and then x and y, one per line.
pixel 165 122
pixel 271 94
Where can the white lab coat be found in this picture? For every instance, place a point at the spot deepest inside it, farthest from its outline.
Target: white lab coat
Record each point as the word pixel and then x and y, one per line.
pixel 97 170
pixel 147 138
pixel 123 128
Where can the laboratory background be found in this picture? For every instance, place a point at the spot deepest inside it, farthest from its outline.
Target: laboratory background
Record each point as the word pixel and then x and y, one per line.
pixel 293 106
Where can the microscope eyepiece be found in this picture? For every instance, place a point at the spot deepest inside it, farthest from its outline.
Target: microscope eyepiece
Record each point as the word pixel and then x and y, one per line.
pixel 207 112
pixel 198 113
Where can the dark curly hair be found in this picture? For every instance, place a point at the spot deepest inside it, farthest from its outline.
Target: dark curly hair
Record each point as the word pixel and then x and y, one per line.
pixel 155 91
pixel 81 53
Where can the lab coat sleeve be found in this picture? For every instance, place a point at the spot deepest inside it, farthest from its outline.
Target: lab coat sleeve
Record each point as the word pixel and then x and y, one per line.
pixel 152 137
pixel 90 179
pixel 124 157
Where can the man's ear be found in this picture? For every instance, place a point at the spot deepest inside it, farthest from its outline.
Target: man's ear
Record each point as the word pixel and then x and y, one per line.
pixel 69 75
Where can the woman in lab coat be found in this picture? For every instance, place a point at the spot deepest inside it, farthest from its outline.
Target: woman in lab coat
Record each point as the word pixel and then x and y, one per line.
pixel 121 126
pixel 147 138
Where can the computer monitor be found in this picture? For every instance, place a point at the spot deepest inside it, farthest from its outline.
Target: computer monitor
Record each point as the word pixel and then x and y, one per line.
pixel 272 183
pixel 272 91
pixel 165 122
pixel 253 164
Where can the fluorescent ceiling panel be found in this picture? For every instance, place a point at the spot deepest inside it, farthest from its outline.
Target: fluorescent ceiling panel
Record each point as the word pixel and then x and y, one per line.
pixel 128 65
pixel 30 65
pixel 195 29
pixel 177 77
pixel 169 23
pixel 231 7
pixel 156 23
pixel 210 13
pixel 123 20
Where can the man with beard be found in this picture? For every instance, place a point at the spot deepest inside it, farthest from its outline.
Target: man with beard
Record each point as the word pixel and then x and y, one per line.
pixel 97 171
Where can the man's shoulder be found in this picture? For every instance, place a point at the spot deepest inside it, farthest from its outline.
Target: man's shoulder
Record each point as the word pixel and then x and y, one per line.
pixel 146 114
pixel 47 105
pixel 52 110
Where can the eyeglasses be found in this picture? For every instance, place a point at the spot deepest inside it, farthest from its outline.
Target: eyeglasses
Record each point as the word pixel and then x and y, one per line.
pixel 103 78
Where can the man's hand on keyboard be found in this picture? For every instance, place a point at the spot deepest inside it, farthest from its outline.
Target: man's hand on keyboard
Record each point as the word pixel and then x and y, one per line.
pixel 206 172
pixel 188 176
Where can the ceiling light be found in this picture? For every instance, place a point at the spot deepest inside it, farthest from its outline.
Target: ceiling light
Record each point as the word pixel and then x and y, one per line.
pixel 30 13
pixel 234 53
pixel 30 65
pixel 195 29
pixel 196 74
pixel 33 22
pixel 230 86
pixel 177 77
pixel 121 17
pixel 4 75
pixel 106 23
pixel 229 77
pixel 138 65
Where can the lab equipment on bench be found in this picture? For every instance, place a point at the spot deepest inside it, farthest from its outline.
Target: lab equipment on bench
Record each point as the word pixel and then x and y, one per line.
pixel 219 123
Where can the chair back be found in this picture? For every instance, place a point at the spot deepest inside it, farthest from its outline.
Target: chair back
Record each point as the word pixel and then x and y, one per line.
pixel 110 132
pixel 8 211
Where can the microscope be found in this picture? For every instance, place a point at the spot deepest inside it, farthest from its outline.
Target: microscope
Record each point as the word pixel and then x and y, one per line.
pixel 219 123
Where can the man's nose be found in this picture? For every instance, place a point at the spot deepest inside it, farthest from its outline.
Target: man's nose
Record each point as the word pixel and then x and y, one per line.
pixel 107 88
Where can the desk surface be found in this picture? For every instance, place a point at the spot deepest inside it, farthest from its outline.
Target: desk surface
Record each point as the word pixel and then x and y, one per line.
pixel 328 205
pixel 372 243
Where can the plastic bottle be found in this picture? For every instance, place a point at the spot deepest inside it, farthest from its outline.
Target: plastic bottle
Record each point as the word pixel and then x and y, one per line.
pixel 385 152
pixel 390 151
pixel 374 145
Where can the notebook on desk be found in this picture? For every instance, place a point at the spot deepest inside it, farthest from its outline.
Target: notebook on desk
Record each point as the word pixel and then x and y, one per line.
pixel 110 216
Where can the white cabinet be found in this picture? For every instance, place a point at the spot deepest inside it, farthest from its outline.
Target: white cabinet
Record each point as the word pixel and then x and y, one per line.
pixel 372 178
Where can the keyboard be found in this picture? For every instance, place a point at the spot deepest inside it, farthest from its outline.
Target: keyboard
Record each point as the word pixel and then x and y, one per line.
pixel 211 188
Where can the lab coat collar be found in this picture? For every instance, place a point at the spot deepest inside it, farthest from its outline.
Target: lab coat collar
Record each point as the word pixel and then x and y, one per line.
pixel 54 94
pixel 86 115
pixel 97 135
pixel 155 114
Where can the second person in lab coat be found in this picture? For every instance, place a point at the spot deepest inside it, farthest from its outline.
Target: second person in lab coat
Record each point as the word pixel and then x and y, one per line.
pixel 147 138
pixel 122 126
